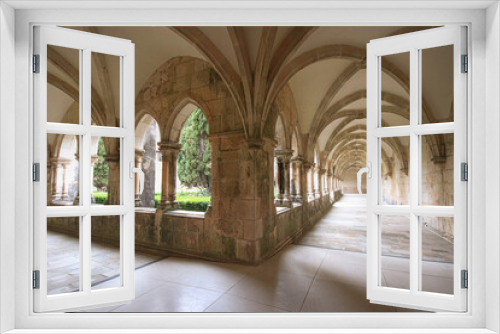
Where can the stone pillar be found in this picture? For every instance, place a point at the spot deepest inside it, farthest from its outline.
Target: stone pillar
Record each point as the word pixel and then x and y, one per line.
pixel 65 180
pixel 93 160
pixel 309 172
pixel 56 166
pixel 317 181
pixel 296 192
pixel 113 162
pixel 323 187
pixel 329 184
pixel 169 153
pixel 138 164
pixel 283 157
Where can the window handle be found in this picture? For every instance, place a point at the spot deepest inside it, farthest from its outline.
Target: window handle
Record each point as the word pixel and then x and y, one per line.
pixel 367 170
pixel 141 176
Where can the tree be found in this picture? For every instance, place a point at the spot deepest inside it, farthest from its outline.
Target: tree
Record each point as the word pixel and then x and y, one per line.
pixel 194 163
pixel 101 168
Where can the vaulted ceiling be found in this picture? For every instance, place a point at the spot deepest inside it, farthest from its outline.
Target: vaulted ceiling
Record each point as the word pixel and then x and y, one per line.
pixel 324 67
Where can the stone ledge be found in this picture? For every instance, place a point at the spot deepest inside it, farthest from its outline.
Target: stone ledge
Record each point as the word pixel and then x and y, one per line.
pixel 145 210
pixel 282 209
pixel 185 213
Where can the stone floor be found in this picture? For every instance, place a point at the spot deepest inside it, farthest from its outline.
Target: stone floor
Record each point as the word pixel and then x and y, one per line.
pixel 301 278
pixel 344 228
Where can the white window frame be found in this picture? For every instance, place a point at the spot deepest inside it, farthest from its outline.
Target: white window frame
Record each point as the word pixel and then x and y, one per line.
pixel 483 102
pixel 413 44
pixel 85 43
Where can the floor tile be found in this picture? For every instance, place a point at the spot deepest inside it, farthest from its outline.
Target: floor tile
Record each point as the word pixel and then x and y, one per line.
pixel 282 290
pixel 228 303
pixel 296 259
pixel 328 296
pixel 396 279
pixel 171 297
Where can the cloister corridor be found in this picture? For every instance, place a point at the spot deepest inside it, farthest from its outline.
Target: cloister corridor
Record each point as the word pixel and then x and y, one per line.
pixel 324 271
pixel 250 140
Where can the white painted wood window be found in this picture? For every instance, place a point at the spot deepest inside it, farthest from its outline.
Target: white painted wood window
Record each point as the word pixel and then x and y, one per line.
pixel 415 134
pixel 80 132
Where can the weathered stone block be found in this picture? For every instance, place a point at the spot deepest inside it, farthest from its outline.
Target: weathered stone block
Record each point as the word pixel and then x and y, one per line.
pixel 245 250
pixel 178 224
pixel 247 209
pixel 194 225
pixel 259 228
pixel 249 228
pixel 228 248
pixel 231 228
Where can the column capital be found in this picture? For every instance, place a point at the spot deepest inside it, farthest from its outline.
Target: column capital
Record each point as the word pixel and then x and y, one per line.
pixel 112 158
pixel 139 153
pixel 308 165
pixel 298 159
pixel 165 147
pixel 61 161
pixel 322 171
pixel 283 153
pixel 255 144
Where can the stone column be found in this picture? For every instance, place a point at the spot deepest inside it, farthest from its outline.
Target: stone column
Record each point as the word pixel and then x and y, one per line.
pixel 296 192
pixel 169 152
pixel 322 182
pixel 93 160
pixel 56 166
pixel 65 180
pixel 309 171
pixel 329 184
pixel 138 164
pixel 283 157
pixel 113 162
pixel 317 181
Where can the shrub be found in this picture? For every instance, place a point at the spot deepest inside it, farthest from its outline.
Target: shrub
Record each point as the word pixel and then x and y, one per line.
pixel 100 198
pixel 190 199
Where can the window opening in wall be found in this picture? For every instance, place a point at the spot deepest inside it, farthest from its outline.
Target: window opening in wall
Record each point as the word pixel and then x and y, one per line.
pixel 194 164
pixel 224 191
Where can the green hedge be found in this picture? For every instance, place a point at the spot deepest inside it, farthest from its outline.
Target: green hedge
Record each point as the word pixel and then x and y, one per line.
pixel 100 198
pixel 192 201
pixel 188 200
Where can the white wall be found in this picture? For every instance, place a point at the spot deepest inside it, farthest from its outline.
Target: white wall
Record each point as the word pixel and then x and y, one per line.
pixel 7 170
pixel 492 167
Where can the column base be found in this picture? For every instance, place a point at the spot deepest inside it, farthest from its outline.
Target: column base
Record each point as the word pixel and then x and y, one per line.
pixel 138 203
pixel 297 198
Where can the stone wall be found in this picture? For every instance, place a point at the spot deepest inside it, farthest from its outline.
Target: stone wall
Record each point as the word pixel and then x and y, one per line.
pixel 350 184
pixel 437 182
pixel 199 235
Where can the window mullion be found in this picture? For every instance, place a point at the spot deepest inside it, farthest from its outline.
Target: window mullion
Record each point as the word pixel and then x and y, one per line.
pixel 414 169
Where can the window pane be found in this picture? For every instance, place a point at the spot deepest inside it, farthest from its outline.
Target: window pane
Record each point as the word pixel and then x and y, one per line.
pixel 63 255
pixel 106 81
pixel 394 96
pixel 395 162
pixel 437 254
pixel 437 85
pixel 395 251
pixel 105 261
pixel 63 170
pixel 105 160
pixel 63 85
pixel 437 170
